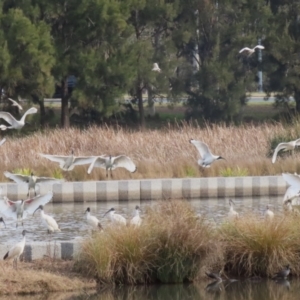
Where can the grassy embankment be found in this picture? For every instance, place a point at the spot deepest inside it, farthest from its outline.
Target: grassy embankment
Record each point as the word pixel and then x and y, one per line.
pixel 157 153
pixel 41 277
pixel 173 244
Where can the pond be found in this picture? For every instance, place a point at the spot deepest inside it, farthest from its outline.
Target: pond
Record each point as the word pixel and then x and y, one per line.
pixel 71 216
pixel 206 290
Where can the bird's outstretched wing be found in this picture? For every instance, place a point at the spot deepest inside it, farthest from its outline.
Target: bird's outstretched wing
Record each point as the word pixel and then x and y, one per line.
pixel 30 111
pixel 245 49
pixel 15 103
pixel 83 160
pixel 292 179
pixel 32 204
pixel 56 158
pixel 18 178
pixel 97 162
pixel 8 118
pixel 277 149
pixel 201 147
pixel 48 180
pixel 123 161
pixel 8 208
pixel 259 47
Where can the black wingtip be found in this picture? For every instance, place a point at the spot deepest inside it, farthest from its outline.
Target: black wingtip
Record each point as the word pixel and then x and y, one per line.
pixel 5 256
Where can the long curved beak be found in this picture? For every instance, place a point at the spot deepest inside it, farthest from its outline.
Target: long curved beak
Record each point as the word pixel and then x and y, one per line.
pixel 106 213
pixel 35 211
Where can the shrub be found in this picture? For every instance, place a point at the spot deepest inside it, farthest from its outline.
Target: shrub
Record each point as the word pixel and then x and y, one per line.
pixel 24 171
pixel 234 172
pixel 171 245
pixel 255 246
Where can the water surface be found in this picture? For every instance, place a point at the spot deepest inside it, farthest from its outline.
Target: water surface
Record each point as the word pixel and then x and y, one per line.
pixel 206 290
pixel 71 217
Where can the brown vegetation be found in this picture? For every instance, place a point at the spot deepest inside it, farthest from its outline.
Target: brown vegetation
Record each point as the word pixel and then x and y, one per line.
pixel 157 153
pixel 41 276
pixel 171 245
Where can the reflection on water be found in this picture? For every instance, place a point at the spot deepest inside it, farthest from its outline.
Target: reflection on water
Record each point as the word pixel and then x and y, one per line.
pixel 71 217
pixel 238 290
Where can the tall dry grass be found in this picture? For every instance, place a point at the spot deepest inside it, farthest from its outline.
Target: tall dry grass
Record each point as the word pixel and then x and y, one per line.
pixel 255 246
pixel 40 277
pixel 170 246
pixel 157 153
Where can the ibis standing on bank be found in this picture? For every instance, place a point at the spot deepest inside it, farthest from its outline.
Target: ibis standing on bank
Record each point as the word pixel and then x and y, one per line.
pixel 15 252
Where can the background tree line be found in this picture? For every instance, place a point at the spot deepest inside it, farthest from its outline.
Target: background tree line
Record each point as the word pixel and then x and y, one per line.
pixel 109 47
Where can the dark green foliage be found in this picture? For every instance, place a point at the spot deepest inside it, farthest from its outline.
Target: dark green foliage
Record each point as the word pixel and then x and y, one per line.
pixel 110 47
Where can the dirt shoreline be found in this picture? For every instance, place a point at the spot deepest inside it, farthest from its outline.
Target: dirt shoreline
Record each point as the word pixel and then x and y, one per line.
pixel 41 277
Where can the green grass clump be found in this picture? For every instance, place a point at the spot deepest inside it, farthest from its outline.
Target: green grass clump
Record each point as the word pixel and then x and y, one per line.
pixel 170 246
pixel 23 171
pixel 255 246
pixel 234 172
pixel 57 174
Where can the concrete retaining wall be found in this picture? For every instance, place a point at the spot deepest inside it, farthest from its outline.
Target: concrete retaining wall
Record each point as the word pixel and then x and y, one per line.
pixel 53 249
pixel 147 189
pixel 151 189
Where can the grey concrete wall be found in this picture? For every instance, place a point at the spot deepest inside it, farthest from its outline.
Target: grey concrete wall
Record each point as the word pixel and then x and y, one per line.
pixel 151 189
pixel 53 249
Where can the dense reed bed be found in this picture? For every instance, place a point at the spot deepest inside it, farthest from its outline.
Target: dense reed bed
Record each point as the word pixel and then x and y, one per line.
pixel 173 244
pixel 256 246
pixel 157 153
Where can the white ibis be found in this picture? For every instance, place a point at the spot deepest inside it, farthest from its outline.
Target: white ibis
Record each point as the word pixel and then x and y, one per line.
pixel 288 146
pixel 18 210
pixel 269 215
pixel 251 50
pixel 207 157
pixel 31 180
pixel 115 218
pixel 48 221
pixel 232 214
pixel 293 190
pixel 136 220
pixel 156 68
pixel 15 252
pixel 111 163
pixel 15 124
pixel 67 163
pixel 92 220
pixel 15 103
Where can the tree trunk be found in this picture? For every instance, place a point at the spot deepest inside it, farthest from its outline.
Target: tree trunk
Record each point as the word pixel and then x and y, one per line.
pixel 65 120
pixel 141 106
pixel 297 100
pixel 41 103
pixel 151 103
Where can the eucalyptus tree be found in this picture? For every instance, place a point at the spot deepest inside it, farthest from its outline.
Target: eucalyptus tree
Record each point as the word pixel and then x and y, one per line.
pixel 210 35
pixel 29 57
pixel 283 61
pixel 150 43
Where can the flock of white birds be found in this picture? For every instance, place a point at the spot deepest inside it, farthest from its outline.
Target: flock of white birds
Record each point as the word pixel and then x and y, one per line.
pixel 18 210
